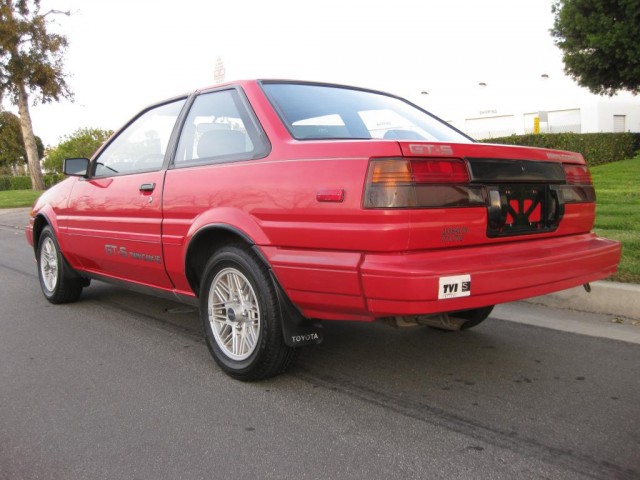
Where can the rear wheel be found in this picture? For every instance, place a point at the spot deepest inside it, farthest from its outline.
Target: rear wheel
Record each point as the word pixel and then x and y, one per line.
pixel 241 316
pixel 59 282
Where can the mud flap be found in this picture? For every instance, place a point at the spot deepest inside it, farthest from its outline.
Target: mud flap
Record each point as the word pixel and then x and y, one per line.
pixel 298 330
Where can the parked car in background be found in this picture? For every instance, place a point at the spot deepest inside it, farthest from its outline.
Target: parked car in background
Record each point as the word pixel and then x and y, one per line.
pixel 277 205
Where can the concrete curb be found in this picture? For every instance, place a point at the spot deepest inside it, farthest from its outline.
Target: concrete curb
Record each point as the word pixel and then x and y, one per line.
pixel 613 298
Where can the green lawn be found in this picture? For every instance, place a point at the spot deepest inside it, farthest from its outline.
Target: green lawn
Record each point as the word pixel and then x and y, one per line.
pixel 618 212
pixel 18 198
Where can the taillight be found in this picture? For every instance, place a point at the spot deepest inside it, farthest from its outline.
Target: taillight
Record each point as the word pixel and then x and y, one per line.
pixel 439 171
pixel 389 172
pixel 579 187
pixel 577 175
pixel 419 183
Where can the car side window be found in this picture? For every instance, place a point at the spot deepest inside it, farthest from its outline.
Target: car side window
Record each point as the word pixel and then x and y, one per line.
pixel 219 128
pixel 142 145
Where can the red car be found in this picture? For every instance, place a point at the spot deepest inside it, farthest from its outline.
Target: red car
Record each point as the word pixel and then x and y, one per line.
pixel 277 204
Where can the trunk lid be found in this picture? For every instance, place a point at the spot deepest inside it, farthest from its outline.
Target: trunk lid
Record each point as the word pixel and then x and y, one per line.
pixel 511 194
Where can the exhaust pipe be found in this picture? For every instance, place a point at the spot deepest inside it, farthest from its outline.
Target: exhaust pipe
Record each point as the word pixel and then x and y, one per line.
pixel 587 287
pixel 443 321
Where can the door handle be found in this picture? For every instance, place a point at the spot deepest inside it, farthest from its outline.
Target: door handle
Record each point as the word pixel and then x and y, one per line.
pixel 147 187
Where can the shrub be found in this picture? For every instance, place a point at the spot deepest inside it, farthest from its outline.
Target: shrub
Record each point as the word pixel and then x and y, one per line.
pixel 19 183
pixel 81 143
pixel 50 180
pixel 8 182
pixel 597 148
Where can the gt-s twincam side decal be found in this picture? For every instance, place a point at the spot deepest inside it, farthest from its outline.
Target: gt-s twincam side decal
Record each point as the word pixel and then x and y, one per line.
pixel 122 251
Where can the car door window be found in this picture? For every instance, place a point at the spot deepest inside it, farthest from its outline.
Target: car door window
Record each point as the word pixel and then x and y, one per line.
pixel 219 128
pixel 142 145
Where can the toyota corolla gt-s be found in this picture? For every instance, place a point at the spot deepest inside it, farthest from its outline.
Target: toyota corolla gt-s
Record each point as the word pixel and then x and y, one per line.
pixel 277 205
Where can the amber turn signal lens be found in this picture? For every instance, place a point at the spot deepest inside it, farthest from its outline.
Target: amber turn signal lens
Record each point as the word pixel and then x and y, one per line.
pixel 390 171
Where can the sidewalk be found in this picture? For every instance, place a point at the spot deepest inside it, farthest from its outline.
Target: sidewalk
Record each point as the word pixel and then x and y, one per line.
pixel 613 298
pixel 14 217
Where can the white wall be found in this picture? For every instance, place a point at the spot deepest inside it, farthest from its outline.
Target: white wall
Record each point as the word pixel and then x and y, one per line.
pixel 631 111
pixel 587 116
pixel 485 112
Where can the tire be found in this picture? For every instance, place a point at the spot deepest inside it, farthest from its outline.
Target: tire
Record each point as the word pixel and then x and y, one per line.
pixel 241 316
pixel 474 317
pixel 58 281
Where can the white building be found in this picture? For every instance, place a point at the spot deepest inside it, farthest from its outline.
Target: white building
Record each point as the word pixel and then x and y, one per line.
pixel 488 111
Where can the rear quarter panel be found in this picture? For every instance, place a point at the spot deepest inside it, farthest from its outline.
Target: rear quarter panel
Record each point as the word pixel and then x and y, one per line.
pixel 273 201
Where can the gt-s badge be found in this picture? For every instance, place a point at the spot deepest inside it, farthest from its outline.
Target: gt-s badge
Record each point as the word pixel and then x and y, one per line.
pixel 122 251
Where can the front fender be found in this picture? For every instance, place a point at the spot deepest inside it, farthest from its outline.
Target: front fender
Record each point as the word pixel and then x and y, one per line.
pixel 51 208
pixel 39 219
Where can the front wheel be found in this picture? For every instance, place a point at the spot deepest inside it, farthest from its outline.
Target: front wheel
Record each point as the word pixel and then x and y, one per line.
pixel 241 316
pixel 59 282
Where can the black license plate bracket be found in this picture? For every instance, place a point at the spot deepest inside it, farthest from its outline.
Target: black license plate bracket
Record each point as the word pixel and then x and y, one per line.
pixel 521 209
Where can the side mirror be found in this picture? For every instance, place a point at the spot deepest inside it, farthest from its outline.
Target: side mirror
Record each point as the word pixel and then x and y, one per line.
pixel 77 167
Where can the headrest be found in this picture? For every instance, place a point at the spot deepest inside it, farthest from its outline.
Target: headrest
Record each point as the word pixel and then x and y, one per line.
pixel 221 142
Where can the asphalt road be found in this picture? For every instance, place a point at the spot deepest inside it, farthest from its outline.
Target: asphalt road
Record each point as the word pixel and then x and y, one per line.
pixel 121 385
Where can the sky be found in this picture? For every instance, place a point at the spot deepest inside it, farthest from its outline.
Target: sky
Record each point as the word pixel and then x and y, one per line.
pixel 126 54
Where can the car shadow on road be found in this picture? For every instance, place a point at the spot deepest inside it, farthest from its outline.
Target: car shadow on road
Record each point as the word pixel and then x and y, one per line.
pixel 424 359
pixel 505 384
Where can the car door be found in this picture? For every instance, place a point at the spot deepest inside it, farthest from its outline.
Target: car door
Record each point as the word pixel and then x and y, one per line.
pixel 218 130
pixel 114 217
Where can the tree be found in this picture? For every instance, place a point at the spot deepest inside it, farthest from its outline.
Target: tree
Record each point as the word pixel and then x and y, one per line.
pixel 81 143
pixel 30 62
pixel 12 151
pixel 599 41
pixel 11 144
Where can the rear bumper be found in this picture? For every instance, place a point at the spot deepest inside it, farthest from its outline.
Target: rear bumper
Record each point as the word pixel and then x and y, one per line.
pixel 355 286
pixel 499 273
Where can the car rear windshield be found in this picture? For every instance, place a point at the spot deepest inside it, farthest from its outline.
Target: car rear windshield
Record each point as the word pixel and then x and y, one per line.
pixel 313 111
